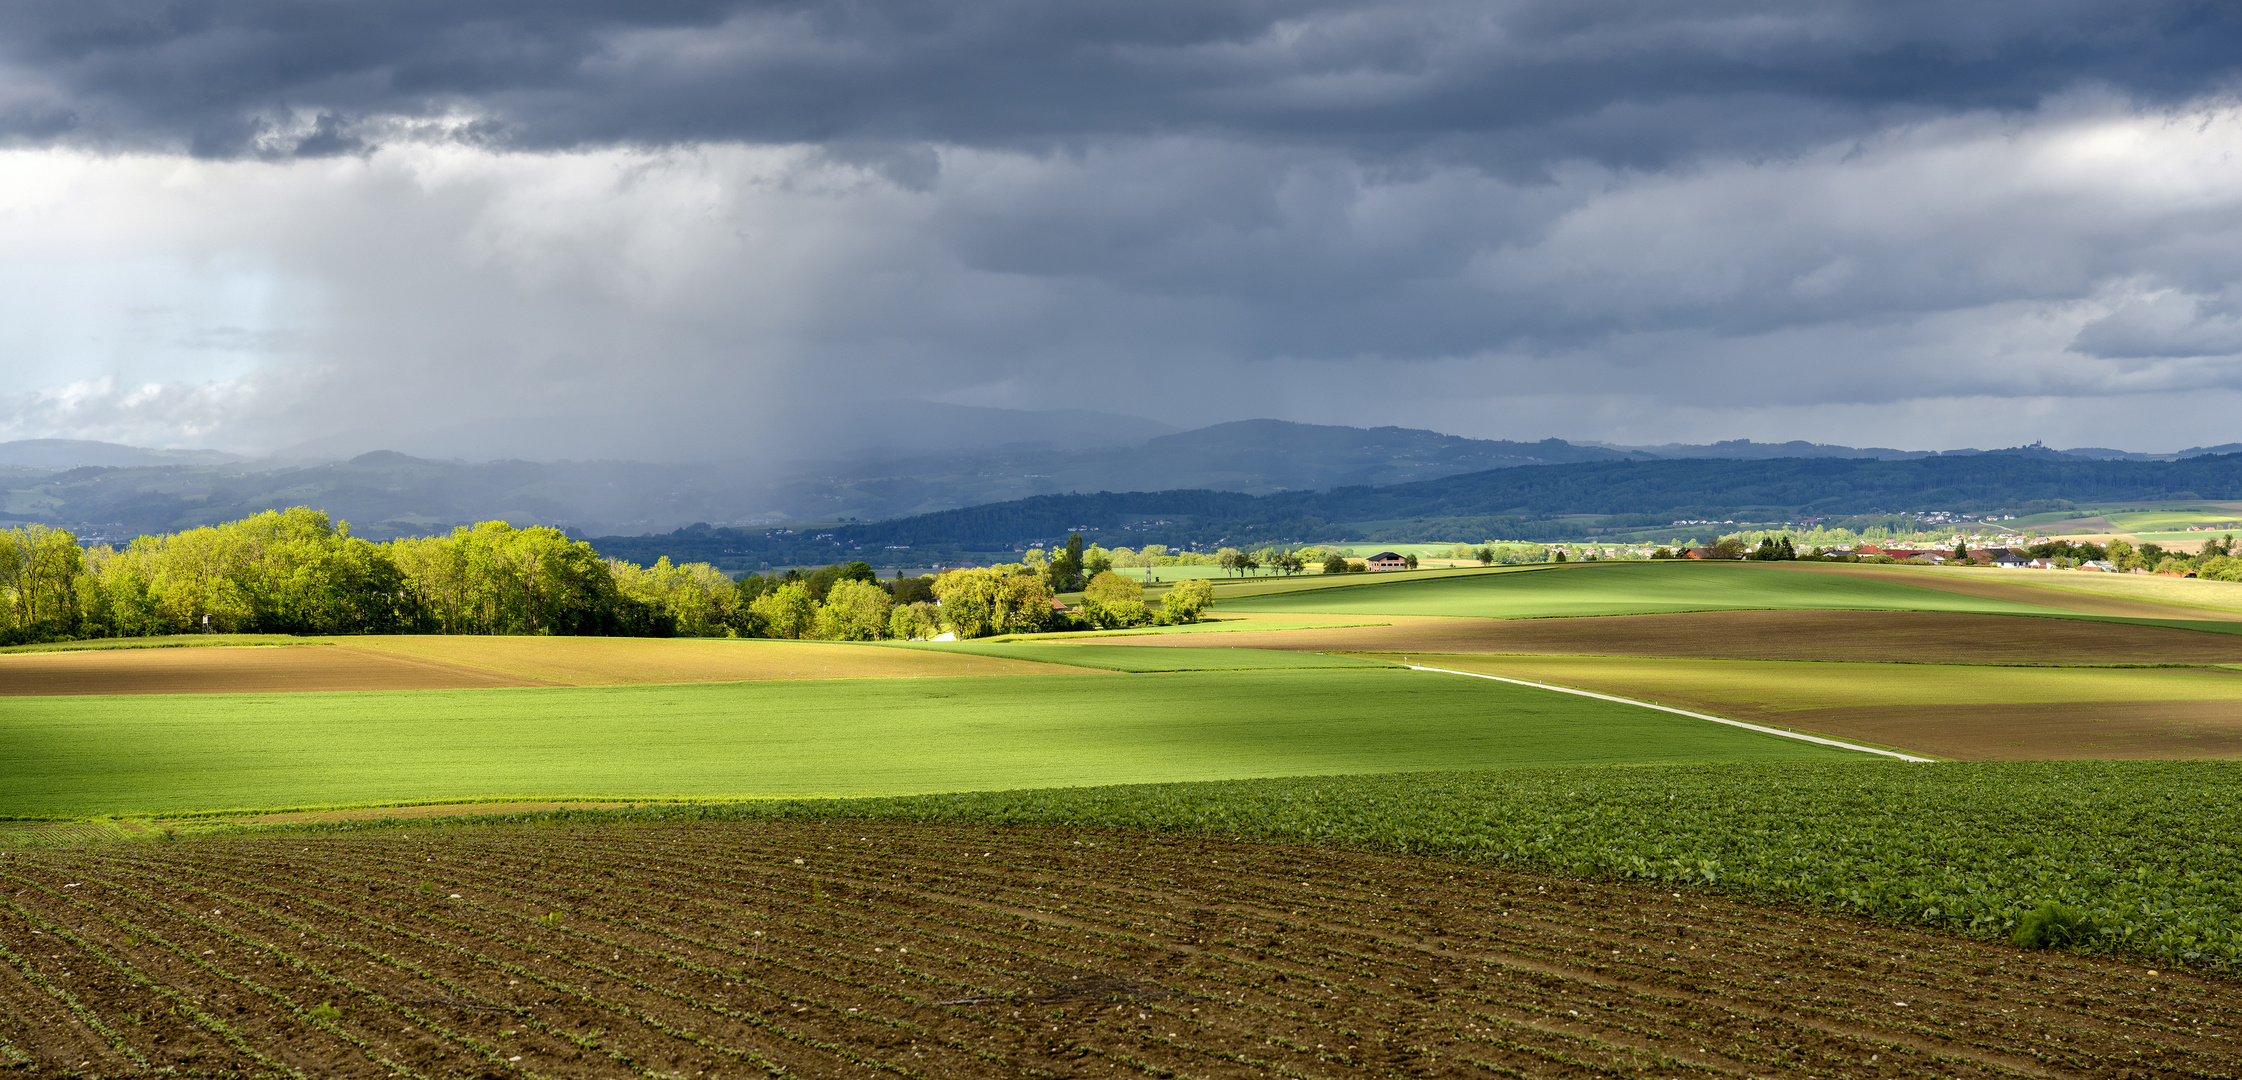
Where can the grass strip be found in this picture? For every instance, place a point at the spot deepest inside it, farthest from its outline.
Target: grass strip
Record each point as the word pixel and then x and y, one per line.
pixel 153 754
pixel 2151 850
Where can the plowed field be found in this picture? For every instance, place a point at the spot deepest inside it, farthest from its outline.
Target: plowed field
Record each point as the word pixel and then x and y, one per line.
pixel 248 669
pixel 409 662
pixel 855 950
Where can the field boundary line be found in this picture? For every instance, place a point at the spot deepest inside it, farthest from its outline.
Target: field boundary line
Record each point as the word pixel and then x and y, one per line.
pixel 1761 728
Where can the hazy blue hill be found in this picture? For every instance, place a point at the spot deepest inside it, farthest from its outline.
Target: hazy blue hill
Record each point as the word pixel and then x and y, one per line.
pixel 77 453
pixel 1569 501
pixel 1251 480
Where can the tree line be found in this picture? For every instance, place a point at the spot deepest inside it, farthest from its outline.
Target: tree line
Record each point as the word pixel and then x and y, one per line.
pixel 297 572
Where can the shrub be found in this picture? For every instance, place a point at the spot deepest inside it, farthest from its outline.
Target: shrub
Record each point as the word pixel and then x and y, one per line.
pixel 1186 601
pixel 2055 926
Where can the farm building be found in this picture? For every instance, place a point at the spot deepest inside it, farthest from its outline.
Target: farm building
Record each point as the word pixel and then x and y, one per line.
pixel 1387 560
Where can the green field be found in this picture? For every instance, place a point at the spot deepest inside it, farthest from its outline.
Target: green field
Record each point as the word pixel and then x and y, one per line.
pixel 1622 588
pixel 1629 588
pixel 1142 658
pixel 83 756
pixel 2146 848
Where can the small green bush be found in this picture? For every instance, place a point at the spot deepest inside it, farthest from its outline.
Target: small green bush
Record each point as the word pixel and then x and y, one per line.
pixel 2055 926
pixel 327 1011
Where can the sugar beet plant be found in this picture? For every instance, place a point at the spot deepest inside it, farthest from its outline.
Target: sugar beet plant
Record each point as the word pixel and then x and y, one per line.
pixel 2145 853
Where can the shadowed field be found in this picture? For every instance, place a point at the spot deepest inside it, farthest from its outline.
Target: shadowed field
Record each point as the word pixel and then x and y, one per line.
pixel 1895 636
pixel 1953 711
pixel 1643 588
pixel 2125 596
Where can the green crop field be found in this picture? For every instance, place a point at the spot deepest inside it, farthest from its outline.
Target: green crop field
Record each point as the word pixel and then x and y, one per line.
pixel 1143 658
pixel 1624 588
pixel 84 756
pixel 2145 848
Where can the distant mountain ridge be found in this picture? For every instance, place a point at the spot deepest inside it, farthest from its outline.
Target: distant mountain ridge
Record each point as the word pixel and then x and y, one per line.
pixel 1749 450
pixel 117 492
pixel 1555 502
pixel 78 453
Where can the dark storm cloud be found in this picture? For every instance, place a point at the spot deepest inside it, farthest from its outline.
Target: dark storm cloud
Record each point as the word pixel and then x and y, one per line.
pixel 1509 84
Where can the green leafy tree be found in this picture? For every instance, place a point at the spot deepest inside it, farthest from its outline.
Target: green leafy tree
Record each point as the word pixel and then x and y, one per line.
pixel 1335 563
pixel 786 611
pixel 916 621
pixel 854 611
pixel 1111 601
pixel 1186 602
pixel 1409 560
pixel 1065 573
pixel 993 600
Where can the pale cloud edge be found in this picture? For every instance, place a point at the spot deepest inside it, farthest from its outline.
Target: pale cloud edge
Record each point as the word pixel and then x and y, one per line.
pixel 1299 224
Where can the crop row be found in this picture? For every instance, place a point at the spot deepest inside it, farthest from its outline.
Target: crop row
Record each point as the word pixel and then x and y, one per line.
pixel 840 950
pixel 2149 850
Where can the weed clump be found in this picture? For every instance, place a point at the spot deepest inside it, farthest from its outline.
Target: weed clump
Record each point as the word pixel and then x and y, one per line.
pixel 327 1011
pixel 2055 925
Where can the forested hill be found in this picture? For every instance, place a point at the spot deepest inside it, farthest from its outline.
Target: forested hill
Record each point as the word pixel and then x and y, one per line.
pixel 1542 503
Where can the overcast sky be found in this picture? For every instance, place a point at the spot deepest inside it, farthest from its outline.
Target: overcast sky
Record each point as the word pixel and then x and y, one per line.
pixel 671 223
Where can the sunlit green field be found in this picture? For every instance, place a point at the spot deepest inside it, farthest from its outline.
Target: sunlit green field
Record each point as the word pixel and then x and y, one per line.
pixel 1140 658
pixel 1624 588
pixel 80 756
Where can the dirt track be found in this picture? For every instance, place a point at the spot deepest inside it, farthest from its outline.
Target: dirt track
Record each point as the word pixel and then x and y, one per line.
pixel 846 950
pixel 1764 635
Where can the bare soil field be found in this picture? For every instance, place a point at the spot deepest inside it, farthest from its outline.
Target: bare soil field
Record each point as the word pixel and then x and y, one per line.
pixel 246 669
pixel 854 950
pixel 610 661
pixel 1899 636
pixel 467 663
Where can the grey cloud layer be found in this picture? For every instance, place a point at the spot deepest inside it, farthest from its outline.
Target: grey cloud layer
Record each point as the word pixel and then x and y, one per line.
pixel 1511 83
pixel 670 223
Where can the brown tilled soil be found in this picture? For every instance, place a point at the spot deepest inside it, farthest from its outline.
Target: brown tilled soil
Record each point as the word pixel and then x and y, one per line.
pixel 465 663
pixel 248 669
pixel 606 661
pixel 1766 635
pixel 858 950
